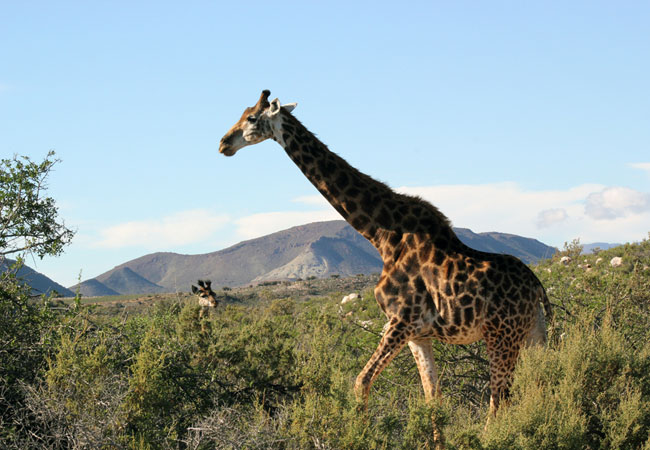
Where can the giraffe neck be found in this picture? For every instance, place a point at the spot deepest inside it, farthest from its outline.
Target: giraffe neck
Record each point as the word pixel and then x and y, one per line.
pixel 376 211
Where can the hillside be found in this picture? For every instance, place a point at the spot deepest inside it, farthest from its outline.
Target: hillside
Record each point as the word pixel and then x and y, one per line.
pixel 528 250
pixel 318 249
pixel 39 283
pixel 93 288
pixel 126 281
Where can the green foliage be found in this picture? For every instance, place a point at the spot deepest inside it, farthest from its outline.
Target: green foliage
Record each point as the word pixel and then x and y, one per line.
pixel 277 372
pixel 591 391
pixel 26 338
pixel 28 219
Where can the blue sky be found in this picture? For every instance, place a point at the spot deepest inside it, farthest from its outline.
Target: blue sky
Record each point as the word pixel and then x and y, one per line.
pixel 531 119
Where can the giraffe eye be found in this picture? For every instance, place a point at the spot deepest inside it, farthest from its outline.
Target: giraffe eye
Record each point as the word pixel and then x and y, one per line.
pixel 251 119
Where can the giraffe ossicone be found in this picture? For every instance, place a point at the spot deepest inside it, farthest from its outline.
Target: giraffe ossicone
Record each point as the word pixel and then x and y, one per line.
pixel 432 285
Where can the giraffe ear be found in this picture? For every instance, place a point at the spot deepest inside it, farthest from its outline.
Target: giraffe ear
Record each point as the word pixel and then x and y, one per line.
pixel 274 108
pixel 289 107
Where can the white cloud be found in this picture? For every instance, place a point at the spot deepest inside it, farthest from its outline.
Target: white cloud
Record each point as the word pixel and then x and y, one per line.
pixel 502 207
pixel 179 229
pixel 550 217
pixel 317 200
pixel 615 202
pixel 262 224
pixel 641 166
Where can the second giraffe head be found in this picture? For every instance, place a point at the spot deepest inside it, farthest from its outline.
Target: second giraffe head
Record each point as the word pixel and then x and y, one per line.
pixel 207 296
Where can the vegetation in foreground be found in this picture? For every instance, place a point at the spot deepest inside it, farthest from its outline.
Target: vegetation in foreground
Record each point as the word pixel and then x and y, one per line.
pixel 274 368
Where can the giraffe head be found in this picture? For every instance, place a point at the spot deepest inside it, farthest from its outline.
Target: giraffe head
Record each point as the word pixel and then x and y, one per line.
pixel 255 125
pixel 206 295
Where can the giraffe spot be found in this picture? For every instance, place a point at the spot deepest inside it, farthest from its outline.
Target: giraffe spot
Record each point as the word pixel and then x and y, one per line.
pixel 342 180
pixel 472 287
pixel 368 203
pixel 384 218
pixel 410 222
pixel 439 258
pixel 441 242
pixel 352 192
pixel 428 300
pixel 360 222
pixel 419 285
pixel 466 300
pixel 469 316
pixel 400 276
pixel 390 288
pixel 395 238
pixel 452 330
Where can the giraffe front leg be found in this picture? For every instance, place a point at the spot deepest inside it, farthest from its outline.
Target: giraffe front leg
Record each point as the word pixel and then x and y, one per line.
pixel 423 353
pixel 390 345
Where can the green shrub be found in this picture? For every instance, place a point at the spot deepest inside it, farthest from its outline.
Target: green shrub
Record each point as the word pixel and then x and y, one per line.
pixel 591 391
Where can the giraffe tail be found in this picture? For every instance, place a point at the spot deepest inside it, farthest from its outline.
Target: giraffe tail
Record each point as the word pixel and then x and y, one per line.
pixel 546 303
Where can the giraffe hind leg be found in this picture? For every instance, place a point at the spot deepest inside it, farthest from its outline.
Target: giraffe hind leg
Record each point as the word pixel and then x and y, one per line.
pixel 503 359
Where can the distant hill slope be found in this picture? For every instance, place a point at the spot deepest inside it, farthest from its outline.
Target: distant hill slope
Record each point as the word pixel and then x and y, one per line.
pixel 39 283
pixel 528 250
pixel 93 288
pixel 318 249
pixel 126 281
pixel 589 248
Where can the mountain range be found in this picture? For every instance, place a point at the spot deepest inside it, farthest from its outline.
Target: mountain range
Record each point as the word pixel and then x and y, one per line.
pixel 318 249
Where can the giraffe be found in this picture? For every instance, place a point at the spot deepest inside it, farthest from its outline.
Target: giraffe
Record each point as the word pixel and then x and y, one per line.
pixel 207 297
pixel 432 286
